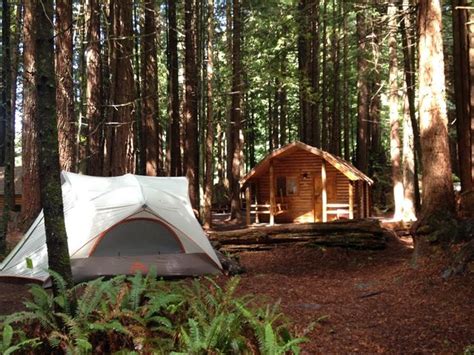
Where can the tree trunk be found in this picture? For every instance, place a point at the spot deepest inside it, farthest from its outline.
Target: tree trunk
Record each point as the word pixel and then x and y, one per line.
pixel 173 93
pixel 138 14
pixel 356 234
pixel 408 165
pixel 80 76
pixel 438 197
pixel 471 84
pixel 30 148
pixel 304 53
pixel 461 91
pixel 151 143
pixel 8 148
pixel 314 62
pixel 95 150
pixel 336 102
pixel 191 150
pixel 64 85
pixel 374 125
pixel 50 181
pixel 276 114
pixel 283 102
pixel 16 35
pixel 236 114
pixel 409 69
pixel 210 118
pixel 120 149
pixel 270 116
pixel 393 101
pixel 363 95
pixel 345 81
pixel 324 80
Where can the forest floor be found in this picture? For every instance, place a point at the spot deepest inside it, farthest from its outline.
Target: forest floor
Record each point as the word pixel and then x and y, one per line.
pixel 347 301
pixel 364 301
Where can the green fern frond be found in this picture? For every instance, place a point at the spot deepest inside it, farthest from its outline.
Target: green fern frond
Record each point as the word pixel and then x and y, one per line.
pixel 137 288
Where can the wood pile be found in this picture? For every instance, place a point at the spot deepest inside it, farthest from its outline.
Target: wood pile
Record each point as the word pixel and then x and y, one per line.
pixel 366 234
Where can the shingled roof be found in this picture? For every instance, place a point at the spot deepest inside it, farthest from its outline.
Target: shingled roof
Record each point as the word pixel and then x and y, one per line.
pixel 349 170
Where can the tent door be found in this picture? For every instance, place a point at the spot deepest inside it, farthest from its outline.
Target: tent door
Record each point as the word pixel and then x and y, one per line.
pixel 137 236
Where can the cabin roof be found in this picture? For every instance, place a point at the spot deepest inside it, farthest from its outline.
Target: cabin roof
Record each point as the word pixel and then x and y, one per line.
pixel 349 170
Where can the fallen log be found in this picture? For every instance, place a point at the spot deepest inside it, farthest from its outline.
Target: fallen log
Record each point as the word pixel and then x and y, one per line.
pixel 354 234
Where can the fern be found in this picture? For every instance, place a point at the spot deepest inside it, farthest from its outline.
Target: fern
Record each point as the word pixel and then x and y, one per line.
pixel 63 298
pixel 7 345
pixel 141 313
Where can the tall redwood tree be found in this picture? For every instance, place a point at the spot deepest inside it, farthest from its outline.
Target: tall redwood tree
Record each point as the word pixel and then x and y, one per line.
pixel 438 195
pixel 64 85
pixel 50 181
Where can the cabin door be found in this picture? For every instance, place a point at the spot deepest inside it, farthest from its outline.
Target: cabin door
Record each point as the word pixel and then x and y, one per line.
pixel 317 199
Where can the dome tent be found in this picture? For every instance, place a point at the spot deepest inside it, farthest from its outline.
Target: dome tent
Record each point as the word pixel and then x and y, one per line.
pixel 120 225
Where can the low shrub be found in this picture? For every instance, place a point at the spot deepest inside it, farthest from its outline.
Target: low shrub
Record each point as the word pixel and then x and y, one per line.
pixel 142 314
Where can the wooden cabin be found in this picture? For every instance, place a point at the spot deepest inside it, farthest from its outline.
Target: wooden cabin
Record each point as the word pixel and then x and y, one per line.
pixel 299 183
pixel 18 186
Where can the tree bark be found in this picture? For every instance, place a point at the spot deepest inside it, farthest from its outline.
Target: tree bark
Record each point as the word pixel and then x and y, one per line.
pixel 315 73
pixel 336 103
pixel 462 91
pixel 30 127
pixel 173 93
pixel 283 103
pixel 471 84
pixel 8 148
pixel 50 181
pixel 95 149
pixel 16 35
pixel 438 196
pixel 356 234
pixel 409 70
pixel 210 118
pixel 275 117
pixel 151 137
pixel 408 165
pixel 345 95
pixel 363 94
pixel 191 150
pixel 120 149
pixel 393 101
pixel 236 114
pixel 304 60
pixel 64 86
pixel 324 80
pixel 374 124
pixel 138 14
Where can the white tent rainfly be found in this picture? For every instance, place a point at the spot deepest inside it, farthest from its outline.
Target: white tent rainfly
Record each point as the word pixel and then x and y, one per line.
pixel 120 225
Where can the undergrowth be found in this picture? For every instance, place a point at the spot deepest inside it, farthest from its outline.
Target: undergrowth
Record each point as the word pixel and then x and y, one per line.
pixel 142 314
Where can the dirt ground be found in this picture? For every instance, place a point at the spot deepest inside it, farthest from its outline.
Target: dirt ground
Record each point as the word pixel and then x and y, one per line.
pixel 352 301
pixel 365 302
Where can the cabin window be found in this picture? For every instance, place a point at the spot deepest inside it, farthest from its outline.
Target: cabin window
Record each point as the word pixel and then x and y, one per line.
pixel 286 186
pixel 291 186
pixel 281 186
